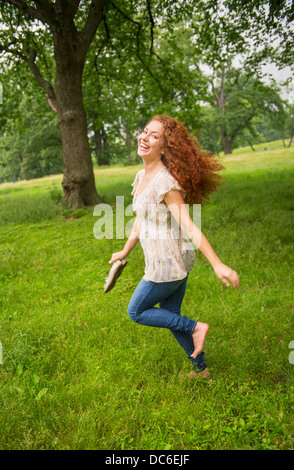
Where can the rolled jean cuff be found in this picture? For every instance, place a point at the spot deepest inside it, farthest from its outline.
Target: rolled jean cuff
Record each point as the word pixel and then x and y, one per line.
pixel 199 362
pixel 194 324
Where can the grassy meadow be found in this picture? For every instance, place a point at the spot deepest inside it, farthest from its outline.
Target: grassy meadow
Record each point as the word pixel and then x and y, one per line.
pixel 77 373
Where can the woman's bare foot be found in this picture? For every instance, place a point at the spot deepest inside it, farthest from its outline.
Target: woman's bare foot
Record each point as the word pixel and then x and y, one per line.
pixel 194 375
pixel 198 336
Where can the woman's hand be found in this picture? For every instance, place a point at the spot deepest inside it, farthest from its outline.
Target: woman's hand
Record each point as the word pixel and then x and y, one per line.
pixel 119 255
pixel 226 274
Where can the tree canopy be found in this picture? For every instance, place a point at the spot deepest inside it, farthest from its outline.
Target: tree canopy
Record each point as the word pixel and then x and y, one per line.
pixel 105 66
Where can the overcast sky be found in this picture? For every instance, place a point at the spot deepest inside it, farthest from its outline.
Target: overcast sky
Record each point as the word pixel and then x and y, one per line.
pixel 280 76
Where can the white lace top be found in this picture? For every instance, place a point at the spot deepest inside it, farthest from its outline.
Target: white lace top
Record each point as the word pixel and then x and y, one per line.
pixel 169 255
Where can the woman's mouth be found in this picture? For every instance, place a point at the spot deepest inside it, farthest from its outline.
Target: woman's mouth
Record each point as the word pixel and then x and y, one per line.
pixel 143 146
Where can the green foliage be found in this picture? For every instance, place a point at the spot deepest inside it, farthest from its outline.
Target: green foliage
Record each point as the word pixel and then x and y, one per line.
pixel 32 147
pixel 146 58
pixel 271 27
pixel 242 103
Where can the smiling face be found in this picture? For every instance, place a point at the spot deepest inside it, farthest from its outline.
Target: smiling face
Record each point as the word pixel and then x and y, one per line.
pixel 150 143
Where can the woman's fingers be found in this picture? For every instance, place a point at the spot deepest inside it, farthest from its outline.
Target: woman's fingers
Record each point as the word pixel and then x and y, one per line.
pixel 234 280
pixel 113 258
pixel 237 281
pixel 226 274
pixel 116 256
pixel 225 282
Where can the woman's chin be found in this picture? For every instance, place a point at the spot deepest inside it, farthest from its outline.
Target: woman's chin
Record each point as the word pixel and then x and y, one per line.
pixel 142 153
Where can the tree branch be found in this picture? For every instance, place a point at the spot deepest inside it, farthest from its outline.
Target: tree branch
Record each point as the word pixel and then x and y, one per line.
pixel 151 21
pixel 44 11
pixel 138 52
pixel 50 94
pixel 221 102
pixel 67 7
pixel 241 126
pixel 222 88
pixel 33 12
pixel 36 72
pixel 94 18
pixel 52 103
pixel 125 15
pixel 214 91
pixel 30 60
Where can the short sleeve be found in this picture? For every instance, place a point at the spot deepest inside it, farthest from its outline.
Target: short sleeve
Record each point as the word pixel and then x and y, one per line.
pixel 164 184
pixel 136 182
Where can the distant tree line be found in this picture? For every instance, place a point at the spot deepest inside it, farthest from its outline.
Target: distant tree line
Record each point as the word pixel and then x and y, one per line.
pixel 80 79
pixel 31 147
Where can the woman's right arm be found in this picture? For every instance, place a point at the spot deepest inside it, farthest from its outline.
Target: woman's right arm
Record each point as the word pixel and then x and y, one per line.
pixel 176 204
pixel 130 244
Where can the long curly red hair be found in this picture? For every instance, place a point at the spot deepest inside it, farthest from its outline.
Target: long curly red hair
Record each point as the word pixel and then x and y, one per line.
pixel 192 167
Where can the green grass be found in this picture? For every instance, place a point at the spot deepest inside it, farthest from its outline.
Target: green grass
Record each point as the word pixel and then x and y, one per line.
pixel 78 374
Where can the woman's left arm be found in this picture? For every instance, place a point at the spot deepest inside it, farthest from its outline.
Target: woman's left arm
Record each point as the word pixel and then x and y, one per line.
pixel 179 210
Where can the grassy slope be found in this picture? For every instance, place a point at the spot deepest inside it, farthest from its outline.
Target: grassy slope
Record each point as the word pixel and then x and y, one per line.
pixel 78 374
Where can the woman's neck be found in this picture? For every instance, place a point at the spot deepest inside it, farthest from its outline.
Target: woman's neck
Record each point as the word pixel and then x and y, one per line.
pixel 153 167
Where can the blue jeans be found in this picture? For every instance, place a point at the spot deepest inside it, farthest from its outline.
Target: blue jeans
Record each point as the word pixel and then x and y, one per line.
pixel 169 296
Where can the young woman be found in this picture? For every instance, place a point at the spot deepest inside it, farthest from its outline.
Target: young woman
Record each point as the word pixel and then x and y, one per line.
pixel 176 174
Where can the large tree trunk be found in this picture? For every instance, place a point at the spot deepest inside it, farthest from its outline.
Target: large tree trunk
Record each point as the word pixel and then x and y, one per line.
pixel 78 181
pixel 226 142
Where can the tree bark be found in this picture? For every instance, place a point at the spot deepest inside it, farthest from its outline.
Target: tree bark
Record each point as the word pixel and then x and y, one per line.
pixel 70 49
pixel 226 142
pixel 102 155
pixel 78 179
